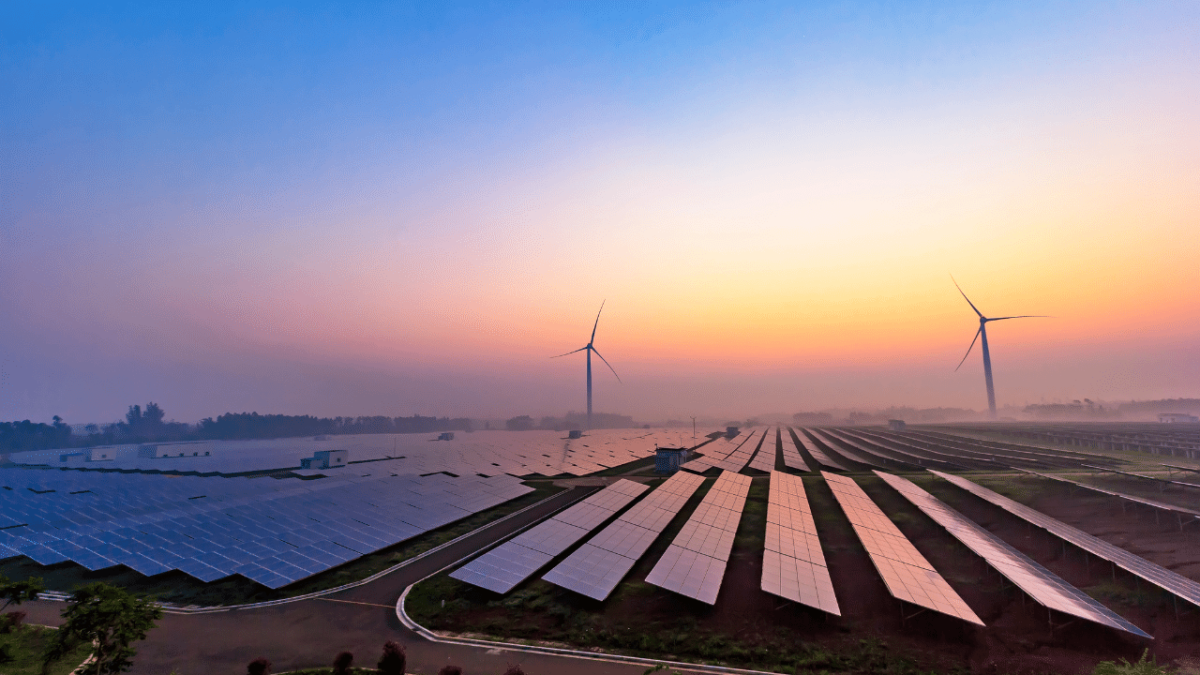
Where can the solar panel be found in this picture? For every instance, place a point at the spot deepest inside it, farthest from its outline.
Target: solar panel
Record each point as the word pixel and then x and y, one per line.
pixel 906 449
pixel 596 568
pixel 791 454
pixel 1180 510
pixel 1157 479
pixel 859 447
pixel 694 564
pixel 793 563
pixel 739 458
pixel 819 455
pixel 1039 583
pixel 514 561
pixel 908 575
pixel 765 459
pixel 1161 577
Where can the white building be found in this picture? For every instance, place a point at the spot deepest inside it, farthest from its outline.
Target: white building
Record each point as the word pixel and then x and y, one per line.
pixel 162 450
pixel 1176 418
pixel 325 459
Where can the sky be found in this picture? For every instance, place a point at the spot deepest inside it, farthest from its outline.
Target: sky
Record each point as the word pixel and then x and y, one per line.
pixel 406 208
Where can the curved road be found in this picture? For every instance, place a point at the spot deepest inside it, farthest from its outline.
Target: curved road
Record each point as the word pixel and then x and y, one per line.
pixel 309 633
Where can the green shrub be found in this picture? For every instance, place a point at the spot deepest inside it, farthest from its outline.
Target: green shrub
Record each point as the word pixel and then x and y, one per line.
pixel 1142 667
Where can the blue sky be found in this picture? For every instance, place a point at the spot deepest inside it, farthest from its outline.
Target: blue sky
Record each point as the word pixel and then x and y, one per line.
pixel 268 198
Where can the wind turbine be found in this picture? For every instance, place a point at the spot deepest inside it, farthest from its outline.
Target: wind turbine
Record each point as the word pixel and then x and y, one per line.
pixel 589 349
pixel 987 358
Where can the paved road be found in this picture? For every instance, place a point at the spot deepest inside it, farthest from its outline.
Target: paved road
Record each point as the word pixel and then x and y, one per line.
pixel 309 633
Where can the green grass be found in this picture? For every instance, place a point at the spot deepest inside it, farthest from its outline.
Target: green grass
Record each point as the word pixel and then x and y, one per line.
pixel 22 652
pixel 1023 490
pixel 1145 596
pixel 1123 667
pixel 181 589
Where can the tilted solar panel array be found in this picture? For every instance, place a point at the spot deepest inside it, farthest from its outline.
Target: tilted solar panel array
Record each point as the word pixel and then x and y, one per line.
pixel 1154 503
pixel 739 458
pixel 791 454
pixel 694 564
pixel 504 567
pixel 719 451
pixel 793 563
pixel 1156 479
pixel 272 531
pixel 819 455
pixel 1165 579
pixel 851 444
pixel 596 568
pixel 907 574
pixel 765 459
pixel 1039 583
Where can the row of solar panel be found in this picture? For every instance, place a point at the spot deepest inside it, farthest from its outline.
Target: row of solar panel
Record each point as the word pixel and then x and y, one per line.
pixel 275 536
pixel 794 565
pixel 514 561
pixel 535 452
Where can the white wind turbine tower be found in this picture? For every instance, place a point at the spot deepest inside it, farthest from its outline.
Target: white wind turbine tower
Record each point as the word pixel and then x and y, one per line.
pixel 589 349
pixel 987 358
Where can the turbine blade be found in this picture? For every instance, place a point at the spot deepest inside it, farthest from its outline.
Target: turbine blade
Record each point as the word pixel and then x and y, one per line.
pixel 960 290
pixel 569 353
pixel 614 370
pixel 1024 316
pixel 597 322
pixel 964 359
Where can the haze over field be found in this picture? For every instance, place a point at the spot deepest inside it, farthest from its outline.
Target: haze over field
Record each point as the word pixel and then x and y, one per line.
pixel 407 208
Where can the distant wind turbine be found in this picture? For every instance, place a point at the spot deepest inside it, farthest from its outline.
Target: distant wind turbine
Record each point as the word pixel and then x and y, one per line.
pixel 589 349
pixel 987 357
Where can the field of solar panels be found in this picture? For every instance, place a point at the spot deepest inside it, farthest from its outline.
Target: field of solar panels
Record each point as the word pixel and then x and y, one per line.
pixel 240 521
pixel 981 548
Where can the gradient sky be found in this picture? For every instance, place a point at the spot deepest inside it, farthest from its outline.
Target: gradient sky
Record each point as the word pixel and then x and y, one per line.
pixel 397 208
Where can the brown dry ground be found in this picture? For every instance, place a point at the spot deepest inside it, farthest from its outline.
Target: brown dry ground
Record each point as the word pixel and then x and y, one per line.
pixel 750 628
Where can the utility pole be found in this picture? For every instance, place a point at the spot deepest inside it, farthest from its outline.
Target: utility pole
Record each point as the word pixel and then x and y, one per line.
pixel 693 427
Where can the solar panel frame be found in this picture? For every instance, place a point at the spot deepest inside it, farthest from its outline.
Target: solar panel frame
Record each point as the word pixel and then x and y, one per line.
pixel 694 563
pixel 906 573
pixel 1039 583
pixel 597 567
pixel 794 565
pixel 1172 582
pixel 506 566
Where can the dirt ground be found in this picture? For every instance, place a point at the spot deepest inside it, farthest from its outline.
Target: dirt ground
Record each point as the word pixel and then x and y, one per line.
pixel 750 628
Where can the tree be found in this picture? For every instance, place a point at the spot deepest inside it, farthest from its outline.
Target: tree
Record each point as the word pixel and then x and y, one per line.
pixel 109 618
pixel 16 592
pixel 154 415
pixel 520 423
pixel 450 670
pixel 394 659
pixel 259 666
pixel 342 663
pixel 514 670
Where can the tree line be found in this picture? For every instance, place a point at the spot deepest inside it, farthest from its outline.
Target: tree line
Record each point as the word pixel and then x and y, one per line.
pixel 142 425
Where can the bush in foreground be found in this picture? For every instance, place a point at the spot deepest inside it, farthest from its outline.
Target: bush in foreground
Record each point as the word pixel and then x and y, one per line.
pixel 342 663
pixel 394 659
pixel 450 670
pixel 259 666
